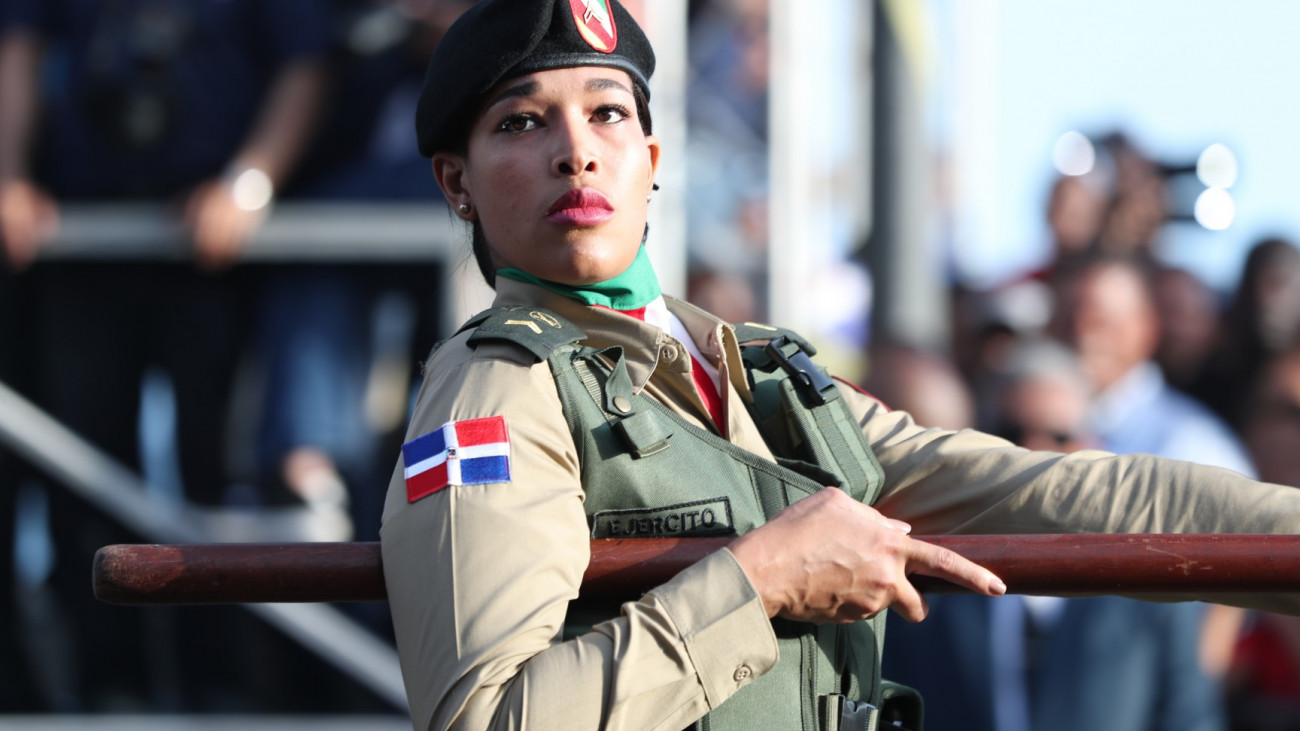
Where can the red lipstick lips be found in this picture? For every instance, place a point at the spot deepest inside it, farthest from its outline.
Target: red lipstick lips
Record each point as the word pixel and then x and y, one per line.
pixel 580 207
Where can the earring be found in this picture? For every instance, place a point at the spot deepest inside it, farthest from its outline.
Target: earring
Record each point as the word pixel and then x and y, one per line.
pixel 463 208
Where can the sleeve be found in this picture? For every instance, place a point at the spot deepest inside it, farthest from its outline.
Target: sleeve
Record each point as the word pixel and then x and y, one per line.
pixel 480 577
pixel 969 482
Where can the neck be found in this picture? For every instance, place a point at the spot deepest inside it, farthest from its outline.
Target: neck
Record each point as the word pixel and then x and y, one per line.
pixel 636 287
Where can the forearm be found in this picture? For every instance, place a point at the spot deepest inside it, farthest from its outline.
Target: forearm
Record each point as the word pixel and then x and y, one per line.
pixel 967 482
pixel 20 52
pixel 668 660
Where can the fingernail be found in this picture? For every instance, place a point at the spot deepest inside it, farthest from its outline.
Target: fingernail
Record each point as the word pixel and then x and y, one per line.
pixel 997 586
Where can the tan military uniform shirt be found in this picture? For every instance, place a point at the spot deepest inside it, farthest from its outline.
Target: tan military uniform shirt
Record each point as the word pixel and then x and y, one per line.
pixel 480 576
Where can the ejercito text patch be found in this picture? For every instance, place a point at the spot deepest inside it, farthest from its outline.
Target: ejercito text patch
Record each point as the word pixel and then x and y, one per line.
pixel 699 518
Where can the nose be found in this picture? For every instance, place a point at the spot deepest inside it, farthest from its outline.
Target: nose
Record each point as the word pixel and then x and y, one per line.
pixel 574 151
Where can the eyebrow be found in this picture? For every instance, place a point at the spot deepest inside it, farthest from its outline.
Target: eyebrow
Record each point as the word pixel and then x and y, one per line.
pixel 526 89
pixel 529 88
pixel 604 84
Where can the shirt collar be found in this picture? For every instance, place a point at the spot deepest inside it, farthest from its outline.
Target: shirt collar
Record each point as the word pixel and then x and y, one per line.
pixel 1133 392
pixel 640 340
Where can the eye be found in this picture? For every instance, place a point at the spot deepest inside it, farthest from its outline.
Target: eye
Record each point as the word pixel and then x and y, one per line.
pixel 611 114
pixel 516 123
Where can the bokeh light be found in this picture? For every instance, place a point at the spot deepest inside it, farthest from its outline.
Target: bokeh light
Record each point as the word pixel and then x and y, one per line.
pixel 252 190
pixel 1073 154
pixel 1215 209
pixel 1217 166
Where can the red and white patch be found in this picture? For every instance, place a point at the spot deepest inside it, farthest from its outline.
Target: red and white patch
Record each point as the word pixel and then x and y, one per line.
pixel 595 21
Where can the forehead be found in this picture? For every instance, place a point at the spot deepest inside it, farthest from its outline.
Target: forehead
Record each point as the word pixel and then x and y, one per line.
pixel 574 80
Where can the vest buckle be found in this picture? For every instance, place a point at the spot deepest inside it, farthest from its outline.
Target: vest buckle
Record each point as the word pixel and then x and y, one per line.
pixel 801 369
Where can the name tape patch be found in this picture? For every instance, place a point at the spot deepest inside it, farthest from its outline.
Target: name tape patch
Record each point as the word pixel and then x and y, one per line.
pixel 698 518
pixel 471 452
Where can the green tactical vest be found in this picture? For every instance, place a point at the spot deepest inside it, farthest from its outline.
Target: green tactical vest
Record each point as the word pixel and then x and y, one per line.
pixel 638 457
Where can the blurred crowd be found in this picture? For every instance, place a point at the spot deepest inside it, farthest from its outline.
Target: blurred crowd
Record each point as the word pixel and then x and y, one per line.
pixel 1106 347
pixel 259 398
pixel 213 110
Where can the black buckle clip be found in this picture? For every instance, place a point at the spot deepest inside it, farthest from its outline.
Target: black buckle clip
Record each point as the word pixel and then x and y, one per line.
pixel 801 368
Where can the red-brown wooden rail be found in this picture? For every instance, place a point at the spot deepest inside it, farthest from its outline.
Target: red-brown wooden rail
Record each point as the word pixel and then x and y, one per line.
pixel 1029 564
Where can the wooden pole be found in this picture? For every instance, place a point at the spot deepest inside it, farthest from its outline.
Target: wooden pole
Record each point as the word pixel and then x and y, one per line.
pixel 1029 564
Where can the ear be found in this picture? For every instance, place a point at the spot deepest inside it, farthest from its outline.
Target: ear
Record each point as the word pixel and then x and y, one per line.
pixel 653 148
pixel 449 171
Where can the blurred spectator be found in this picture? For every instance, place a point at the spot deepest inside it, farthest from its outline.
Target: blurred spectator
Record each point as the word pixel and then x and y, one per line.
pixel 986 327
pixel 1262 321
pixel 1188 311
pixel 1107 312
pixel 924 385
pixel 728 294
pixel 727 113
pixel 146 100
pixel 1117 207
pixel 314 327
pixel 1043 663
pixel 1076 210
pixel 1264 678
pixel 1137 209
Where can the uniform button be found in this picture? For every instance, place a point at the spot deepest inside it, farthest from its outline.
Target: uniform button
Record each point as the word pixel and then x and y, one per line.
pixel 743 673
pixel 622 404
pixel 668 353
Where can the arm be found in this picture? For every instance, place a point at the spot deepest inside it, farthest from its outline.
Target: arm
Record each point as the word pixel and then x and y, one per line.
pixel 27 215
pixel 969 482
pixel 220 224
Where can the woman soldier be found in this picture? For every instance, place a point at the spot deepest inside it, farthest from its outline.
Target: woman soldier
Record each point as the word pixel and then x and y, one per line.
pixel 585 404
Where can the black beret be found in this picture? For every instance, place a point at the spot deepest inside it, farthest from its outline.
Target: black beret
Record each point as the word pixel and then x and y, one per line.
pixel 499 39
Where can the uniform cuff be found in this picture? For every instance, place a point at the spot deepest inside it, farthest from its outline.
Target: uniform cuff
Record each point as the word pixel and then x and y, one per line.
pixel 723 625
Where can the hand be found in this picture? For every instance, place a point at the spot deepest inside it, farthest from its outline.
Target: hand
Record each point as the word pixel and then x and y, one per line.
pixel 830 558
pixel 28 218
pixel 220 228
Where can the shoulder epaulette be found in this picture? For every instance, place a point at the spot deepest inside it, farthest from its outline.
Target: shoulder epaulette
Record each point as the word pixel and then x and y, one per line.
pixel 537 329
pixel 751 332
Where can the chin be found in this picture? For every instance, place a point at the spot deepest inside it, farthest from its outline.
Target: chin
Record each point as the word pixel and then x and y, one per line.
pixel 592 269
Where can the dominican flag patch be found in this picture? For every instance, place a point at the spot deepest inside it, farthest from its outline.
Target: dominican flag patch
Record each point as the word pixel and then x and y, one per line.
pixel 460 453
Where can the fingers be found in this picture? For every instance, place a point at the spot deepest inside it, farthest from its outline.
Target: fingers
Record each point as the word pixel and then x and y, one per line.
pixel 931 560
pixel 909 603
pixel 28 218
pixel 829 558
pixel 220 228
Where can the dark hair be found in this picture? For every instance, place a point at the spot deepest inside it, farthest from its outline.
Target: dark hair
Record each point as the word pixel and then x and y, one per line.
pixel 478 240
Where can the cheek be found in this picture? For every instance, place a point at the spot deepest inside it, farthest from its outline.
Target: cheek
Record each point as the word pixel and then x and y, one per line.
pixel 499 190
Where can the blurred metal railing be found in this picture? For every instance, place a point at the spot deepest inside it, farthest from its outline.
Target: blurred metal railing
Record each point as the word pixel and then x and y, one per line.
pixel 88 472
pixel 292 232
pixel 360 233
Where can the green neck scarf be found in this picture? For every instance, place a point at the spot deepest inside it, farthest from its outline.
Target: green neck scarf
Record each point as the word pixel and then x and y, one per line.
pixel 635 288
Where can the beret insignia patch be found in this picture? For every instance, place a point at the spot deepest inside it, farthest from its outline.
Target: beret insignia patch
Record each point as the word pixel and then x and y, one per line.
pixel 595 21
